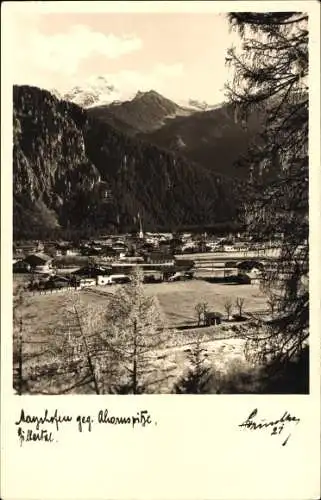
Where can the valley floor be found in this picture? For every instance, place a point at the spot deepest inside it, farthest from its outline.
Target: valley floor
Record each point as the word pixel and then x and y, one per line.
pixel 44 316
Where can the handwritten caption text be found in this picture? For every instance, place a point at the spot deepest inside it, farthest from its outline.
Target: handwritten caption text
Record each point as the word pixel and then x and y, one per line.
pixel 44 428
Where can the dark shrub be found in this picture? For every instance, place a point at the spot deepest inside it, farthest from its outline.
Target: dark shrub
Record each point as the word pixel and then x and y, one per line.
pixel 237 317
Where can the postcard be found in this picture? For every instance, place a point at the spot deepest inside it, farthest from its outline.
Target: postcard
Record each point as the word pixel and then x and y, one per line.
pixel 160 250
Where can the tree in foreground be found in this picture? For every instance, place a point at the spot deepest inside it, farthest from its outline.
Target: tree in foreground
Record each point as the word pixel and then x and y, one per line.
pixel 239 303
pixel 228 309
pixel 72 357
pixel 137 335
pixel 270 80
pixel 201 309
pixel 83 353
pixel 20 383
pixel 272 302
pixel 197 378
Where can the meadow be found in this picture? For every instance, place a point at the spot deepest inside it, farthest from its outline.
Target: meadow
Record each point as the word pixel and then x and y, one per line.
pixel 177 300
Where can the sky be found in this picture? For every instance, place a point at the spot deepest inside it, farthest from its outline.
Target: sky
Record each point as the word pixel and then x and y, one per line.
pixel 180 55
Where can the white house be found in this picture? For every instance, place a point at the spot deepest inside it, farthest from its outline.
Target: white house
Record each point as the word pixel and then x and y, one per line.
pixel 102 280
pixel 84 282
pixel 39 263
pixel 113 279
pixel 189 247
pixel 72 251
pixel 255 275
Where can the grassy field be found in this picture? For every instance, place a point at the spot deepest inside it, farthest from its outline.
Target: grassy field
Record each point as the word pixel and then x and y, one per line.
pixel 177 300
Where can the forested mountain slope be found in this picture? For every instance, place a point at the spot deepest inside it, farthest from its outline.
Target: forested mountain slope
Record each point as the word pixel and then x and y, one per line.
pixel 73 171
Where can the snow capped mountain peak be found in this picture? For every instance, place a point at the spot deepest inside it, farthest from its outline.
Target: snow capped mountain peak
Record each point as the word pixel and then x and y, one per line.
pixel 196 105
pixel 56 93
pixel 97 91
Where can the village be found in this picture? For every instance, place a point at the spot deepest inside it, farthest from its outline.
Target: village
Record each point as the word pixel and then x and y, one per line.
pixel 162 256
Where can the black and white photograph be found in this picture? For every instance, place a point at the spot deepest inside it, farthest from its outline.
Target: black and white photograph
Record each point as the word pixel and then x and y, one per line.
pixel 160 203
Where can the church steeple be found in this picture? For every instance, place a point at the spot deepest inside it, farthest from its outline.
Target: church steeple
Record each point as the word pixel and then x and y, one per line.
pixel 141 233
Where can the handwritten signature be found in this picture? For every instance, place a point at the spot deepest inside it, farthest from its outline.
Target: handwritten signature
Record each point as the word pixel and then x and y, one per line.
pixel 277 426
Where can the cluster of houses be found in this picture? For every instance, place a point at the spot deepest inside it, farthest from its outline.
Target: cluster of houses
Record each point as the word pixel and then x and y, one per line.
pixel 35 263
pixel 115 247
pixel 138 247
pixel 74 281
pixel 44 276
pixel 46 265
pixel 232 243
pixel 154 252
pixel 97 275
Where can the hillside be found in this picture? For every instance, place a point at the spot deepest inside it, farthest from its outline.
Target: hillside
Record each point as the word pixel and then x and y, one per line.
pixel 211 137
pixel 73 171
pixel 148 111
